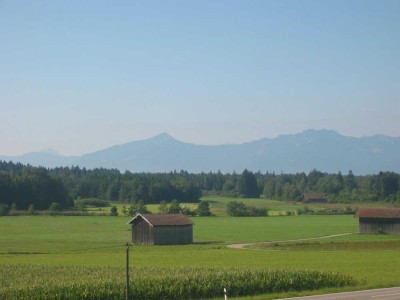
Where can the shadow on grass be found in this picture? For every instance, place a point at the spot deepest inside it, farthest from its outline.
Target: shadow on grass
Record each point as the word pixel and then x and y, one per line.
pixel 208 242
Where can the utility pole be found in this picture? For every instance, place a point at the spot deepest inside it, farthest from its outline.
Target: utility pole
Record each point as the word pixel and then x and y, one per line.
pixel 127 271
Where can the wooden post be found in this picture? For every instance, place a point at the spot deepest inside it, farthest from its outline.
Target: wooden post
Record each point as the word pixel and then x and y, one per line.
pixel 226 296
pixel 127 271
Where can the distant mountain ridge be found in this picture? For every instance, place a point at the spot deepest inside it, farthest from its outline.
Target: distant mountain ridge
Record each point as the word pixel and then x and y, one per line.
pixel 324 150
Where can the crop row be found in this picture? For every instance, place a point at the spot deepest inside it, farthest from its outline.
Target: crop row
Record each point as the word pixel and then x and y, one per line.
pixel 70 282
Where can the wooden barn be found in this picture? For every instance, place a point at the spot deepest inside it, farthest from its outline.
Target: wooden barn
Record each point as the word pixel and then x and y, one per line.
pixel 161 229
pixel 314 198
pixel 379 220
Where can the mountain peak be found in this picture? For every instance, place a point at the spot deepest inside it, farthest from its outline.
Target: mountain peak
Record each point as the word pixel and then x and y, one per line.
pixel 163 137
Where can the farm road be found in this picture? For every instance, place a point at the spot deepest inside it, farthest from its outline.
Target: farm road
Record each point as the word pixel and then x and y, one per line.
pixel 243 246
pixel 377 294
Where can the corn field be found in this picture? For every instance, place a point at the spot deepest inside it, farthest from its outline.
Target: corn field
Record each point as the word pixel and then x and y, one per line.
pixel 76 282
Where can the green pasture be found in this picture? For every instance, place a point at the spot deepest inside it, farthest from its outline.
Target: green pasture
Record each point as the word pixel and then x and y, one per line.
pixel 153 208
pixel 218 205
pixel 98 241
pixel 55 234
pixel 275 207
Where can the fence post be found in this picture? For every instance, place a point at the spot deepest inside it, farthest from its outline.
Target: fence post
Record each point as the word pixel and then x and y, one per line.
pixel 226 297
pixel 127 271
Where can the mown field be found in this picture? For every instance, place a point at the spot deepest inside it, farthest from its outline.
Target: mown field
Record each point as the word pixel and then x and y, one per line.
pixel 42 246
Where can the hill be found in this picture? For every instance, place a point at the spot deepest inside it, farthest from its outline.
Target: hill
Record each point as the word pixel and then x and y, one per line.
pixel 324 150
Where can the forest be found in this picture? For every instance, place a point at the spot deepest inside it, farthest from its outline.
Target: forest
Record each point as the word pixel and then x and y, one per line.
pixel 23 185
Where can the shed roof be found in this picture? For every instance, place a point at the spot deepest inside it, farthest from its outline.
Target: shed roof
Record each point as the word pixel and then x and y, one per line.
pixel 314 196
pixel 164 219
pixel 378 212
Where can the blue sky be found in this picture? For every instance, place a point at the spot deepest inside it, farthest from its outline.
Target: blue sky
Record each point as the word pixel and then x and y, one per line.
pixel 79 76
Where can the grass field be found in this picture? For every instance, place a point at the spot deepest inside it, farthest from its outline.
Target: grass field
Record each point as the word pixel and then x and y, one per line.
pixel 373 260
pixel 218 205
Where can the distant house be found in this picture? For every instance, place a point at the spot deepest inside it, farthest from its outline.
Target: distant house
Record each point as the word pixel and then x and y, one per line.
pixel 314 198
pixel 162 229
pixel 379 220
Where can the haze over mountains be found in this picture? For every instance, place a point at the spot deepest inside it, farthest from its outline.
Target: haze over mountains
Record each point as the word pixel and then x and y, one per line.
pixel 324 150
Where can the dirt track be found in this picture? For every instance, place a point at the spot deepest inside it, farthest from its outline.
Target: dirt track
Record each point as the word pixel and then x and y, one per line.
pixel 243 246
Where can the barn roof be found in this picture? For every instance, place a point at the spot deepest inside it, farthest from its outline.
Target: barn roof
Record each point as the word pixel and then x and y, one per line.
pixel 378 212
pixel 164 219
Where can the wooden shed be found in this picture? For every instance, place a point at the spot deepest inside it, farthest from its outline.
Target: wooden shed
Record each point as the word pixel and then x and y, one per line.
pixel 161 229
pixel 314 198
pixel 379 220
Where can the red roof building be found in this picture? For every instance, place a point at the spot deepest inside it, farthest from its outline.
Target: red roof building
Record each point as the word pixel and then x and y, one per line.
pixel 161 229
pixel 314 198
pixel 379 220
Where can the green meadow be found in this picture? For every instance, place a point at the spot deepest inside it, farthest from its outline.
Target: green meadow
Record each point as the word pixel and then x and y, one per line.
pixel 30 242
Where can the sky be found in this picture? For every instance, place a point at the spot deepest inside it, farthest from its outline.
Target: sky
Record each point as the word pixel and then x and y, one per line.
pixel 80 76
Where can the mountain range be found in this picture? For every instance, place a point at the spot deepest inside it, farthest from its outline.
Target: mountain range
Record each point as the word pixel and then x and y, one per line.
pixel 324 150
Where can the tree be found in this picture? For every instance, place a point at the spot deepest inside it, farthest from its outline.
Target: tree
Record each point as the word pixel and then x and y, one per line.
pixel 4 209
pixel 340 180
pixel 137 207
pixel 203 209
pixel 54 208
pixel 175 207
pixel 350 182
pixel 388 184
pixel 269 189
pixel 163 207
pixel 79 205
pixel 141 207
pixel 247 185
pixel 113 190
pixel 313 177
pixel 229 188
pixel 31 209
pixel 114 211
pixel 295 194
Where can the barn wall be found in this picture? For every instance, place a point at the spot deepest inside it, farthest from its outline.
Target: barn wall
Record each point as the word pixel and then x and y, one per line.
pixel 142 233
pixel 173 235
pixel 379 225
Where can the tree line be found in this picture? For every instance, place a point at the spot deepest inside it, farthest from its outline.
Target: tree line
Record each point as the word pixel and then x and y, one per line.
pixel 25 185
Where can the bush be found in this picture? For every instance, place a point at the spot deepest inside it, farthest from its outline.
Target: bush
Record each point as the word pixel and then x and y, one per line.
pixel 114 211
pixel 174 207
pixel 239 209
pixel 253 211
pixel 54 209
pixel 203 209
pixel 305 211
pixel 337 211
pixel 187 212
pixel 80 203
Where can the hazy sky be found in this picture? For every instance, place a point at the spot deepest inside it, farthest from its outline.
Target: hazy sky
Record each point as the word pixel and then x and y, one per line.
pixel 79 76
